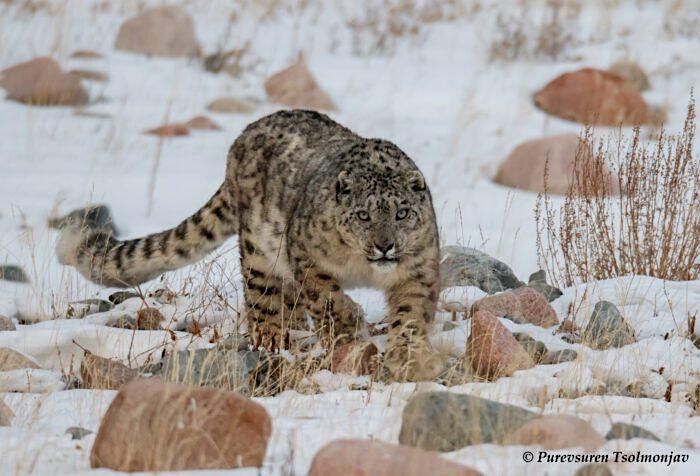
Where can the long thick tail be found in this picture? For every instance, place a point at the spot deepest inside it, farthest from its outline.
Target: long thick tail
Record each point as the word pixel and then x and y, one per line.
pixel 105 260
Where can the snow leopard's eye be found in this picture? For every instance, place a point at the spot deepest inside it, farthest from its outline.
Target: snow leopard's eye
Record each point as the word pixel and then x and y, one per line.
pixel 363 215
pixel 401 214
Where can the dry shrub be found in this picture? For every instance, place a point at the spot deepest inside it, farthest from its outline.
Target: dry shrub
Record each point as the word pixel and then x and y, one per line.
pixel 651 228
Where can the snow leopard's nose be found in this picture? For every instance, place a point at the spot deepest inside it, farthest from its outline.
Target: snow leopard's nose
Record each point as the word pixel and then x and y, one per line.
pixel 385 249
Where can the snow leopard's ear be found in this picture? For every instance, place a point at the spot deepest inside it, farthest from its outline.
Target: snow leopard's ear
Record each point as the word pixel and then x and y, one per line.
pixel 416 181
pixel 342 184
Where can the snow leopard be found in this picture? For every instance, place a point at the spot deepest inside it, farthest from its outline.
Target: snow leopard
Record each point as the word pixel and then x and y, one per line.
pixel 318 210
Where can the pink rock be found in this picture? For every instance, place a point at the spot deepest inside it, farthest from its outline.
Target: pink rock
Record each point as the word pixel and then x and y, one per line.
pixel 355 358
pixel 557 432
pixel 593 96
pixel 41 82
pixel 521 304
pixel 170 130
pixel 202 122
pixel 492 349
pixel 375 458
pixel 295 86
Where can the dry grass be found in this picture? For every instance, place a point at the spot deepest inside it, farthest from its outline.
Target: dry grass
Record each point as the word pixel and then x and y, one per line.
pixel 651 228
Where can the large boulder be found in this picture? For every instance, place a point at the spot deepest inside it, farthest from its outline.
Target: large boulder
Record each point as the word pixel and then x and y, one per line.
pixel 525 166
pixel 162 31
pixel 555 432
pixel 444 421
pixel 376 458
pixel 462 266
pixel 154 426
pixel 520 305
pixel 492 350
pixel 295 86
pixel 593 96
pixel 42 82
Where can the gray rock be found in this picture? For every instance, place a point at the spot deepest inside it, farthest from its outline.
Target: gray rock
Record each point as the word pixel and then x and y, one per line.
pixel 123 321
pixel 559 356
pixel 77 432
pixel 538 282
pixel 80 309
pixel 462 266
pixel 236 342
pixel 6 324
pixel 211 367
pixel 97 217
pixel 535 348
pixel 627 431
pixel 595 469
pixel 444 421
pixel 449 325
pixel 607 328
pixel 121 296
pixel 11 272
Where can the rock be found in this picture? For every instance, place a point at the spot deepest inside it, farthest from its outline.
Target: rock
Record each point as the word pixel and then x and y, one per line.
pixel 156 426
pixel 89 75
pixel 80 309
pixel 607 328
pixel 461 266
pixel 170 130
pixel 6 414
pixel 10 359
pixel 376 458
pixel 77 432
pixel 233 342
pixel 11 272
pixel 524 168
pixel 444 421
pixel 594 469
pixel 295 86
pixel 559 356
pixel 41 82
pixel 492 350
pixel 632 72
pixel 203 123
pixel 593 96
pixel 121 296
pixel 538 282
pixel 232 105
pixel 100 373
pixel 555 432
pixel 149 319
pixel 535 348
pixel 354 358
pixel 520 305
pixel 163 31
pixel 97 217
pixel 229 370
pixel 627 431
pixel 449 326
pixel 86 54
pixel 6 324
pixel 122 321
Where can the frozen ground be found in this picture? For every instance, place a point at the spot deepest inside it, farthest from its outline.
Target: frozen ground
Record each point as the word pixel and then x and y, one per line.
pixel 437 95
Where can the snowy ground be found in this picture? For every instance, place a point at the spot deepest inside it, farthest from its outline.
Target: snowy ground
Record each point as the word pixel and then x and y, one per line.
pixel 437 95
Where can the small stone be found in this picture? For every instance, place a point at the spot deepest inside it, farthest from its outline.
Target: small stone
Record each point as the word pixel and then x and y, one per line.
pixel 538 281
pixel 6 324
pixel 90 75
pixel 149 319
pixel 232 105
pixel 376 458
pixel 100 373
pixel 632 72
pixel 233 341
pixel 157 426
pixel 559 357
pixel 444 421
pixel 42 82
pixel 462 266
pixel 229 370
pixel 121 296
pixel 169 130
pixel 607 328
pixel 77 432
pixel 97 217
pixel 122 321
pixel 627 431
pixel 554 432
pixel 11 272
pixel 295 86
pixel 80 309
pixel 354 358
pixel 10 359
pixel 594 469
pixel 449 326
pixel 535 348
pixel 492 349
pixel 202 123
pixel 86 54
pixel 6 414
pixel 568 327
pixel 162 31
